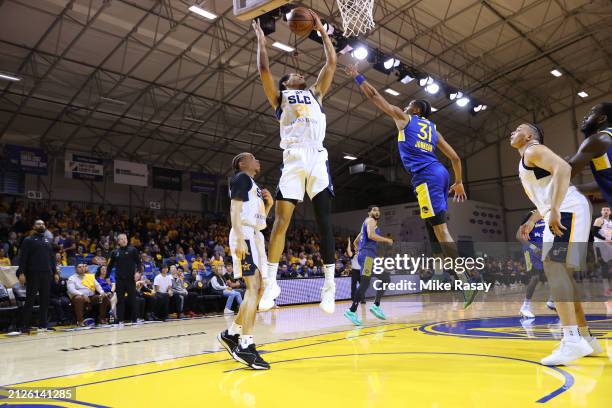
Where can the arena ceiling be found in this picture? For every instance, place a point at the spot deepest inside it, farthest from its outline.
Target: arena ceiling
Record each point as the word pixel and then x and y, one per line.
pixel 149 81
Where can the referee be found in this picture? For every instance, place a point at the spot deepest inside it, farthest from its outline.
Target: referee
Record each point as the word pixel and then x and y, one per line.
pixel 126 260
pixel 37 263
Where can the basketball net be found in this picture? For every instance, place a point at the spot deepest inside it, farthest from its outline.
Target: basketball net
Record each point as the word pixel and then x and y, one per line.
pixel 357 16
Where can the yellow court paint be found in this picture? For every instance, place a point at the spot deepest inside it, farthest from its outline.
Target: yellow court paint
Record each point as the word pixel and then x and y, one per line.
pixel 417 365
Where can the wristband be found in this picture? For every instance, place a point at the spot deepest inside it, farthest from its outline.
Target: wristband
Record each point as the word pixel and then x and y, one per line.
pixel 360 79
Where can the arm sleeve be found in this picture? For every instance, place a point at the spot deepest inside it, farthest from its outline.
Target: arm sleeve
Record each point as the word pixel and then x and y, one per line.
pixel 52 260
pixel 71 288
pixel 595 231
pixel 240 186
pixel 98 287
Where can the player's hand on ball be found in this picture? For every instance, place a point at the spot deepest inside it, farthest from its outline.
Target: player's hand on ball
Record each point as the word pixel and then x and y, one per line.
pixel 242 249
pixel 267 197
pixel 258 31
pixel 459 191
pixel 555 223
pixel 318 24
pixel 351 70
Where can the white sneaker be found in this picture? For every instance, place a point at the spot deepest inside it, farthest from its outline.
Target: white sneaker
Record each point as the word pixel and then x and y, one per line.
pixel 551 305
pixel 525 312
pixel 267 298
pixel 328 297
pixel 597 349
pixel 276 290
pixel 568 352
pixel 228 311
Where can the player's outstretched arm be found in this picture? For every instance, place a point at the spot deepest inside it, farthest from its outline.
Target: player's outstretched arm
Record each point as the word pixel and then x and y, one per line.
pixel 401 119
pixel 326 76
pixel 263 64
pixel 451 154
pixel 592 147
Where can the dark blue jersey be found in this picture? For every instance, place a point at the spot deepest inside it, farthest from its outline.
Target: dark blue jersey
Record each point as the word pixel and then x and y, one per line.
pixel 602 170
pixel 417 144
pixel 367 246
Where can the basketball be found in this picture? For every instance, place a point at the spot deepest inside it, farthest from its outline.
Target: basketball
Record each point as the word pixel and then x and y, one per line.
pixel 301 21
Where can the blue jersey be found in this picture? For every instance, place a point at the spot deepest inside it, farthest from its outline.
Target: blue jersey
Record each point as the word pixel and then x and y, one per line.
pixel 602 170
pixel 367 246
pixel 533 259
pixel 417 144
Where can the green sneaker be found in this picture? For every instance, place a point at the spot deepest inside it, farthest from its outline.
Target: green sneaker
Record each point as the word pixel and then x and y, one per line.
pixel 377 311
pixel 468 297
pixel 352 316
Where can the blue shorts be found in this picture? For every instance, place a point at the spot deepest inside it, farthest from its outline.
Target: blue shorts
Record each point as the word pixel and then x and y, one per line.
pixel 431 185
pixel 366 262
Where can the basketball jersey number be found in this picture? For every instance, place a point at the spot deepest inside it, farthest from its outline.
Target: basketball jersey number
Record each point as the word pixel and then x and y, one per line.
pixel 425 131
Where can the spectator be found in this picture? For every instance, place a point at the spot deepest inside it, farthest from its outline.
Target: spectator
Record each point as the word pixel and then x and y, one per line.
pixel 179 292
pixel 84 291
pixel 99 259
pixel 4 260
pixel 146 294
pixel 163 292
pixel 69 247
pixel 218 283
pixel 59 298
pixel 108 285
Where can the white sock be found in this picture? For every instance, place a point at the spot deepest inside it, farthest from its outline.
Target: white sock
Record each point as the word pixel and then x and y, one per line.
pixel 585 332
pixel 571 334
pixel 272 269
pixel 234 329
pixel 329 271
pixel 527 303
pixel 246 340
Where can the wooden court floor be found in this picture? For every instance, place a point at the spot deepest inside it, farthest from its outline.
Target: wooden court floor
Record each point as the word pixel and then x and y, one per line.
pixel 425 354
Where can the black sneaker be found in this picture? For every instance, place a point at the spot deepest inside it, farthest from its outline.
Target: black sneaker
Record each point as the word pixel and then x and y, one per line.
pixel 230 342
pixel 250 357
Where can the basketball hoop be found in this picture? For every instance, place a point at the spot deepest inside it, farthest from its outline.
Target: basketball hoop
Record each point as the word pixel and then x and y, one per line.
pixel 357 16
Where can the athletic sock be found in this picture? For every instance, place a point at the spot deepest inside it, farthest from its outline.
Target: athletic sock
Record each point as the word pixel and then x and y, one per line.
pixel 585 332
pixel 272 269
pixel 234 329
pixel 329 271
pixel 571 334
pixel 527 303
pixel 377 303
pixel 246 340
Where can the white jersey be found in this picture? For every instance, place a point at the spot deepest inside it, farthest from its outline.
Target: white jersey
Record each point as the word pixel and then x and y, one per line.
pixel 538 185
pixel 302 119
pixel 243 188
pixel 606 230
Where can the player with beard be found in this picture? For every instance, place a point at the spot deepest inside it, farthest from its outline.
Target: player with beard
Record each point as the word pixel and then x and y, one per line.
pixel 368 239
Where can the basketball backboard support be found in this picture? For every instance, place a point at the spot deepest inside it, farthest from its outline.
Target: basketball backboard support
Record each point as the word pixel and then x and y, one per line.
pixel 249 9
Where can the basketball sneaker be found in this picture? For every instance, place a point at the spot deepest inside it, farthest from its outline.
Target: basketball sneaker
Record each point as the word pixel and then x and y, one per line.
pixel 597 349
pixel 551 305
pixel 230 342
pixel 271 292
pixel 250 356
pixel 352 316
pixel 468 297
pixel 567 352
pixel 328 297
pixel 526 312
pixel 377 311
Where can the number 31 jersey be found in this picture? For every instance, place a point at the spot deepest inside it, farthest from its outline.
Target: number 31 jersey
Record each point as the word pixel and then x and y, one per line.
pixel 417 144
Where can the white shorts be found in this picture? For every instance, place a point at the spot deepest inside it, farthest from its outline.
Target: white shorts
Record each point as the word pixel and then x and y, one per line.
pixel 255 259
pixel 571 248
pixel 305 169
pixel 602 250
